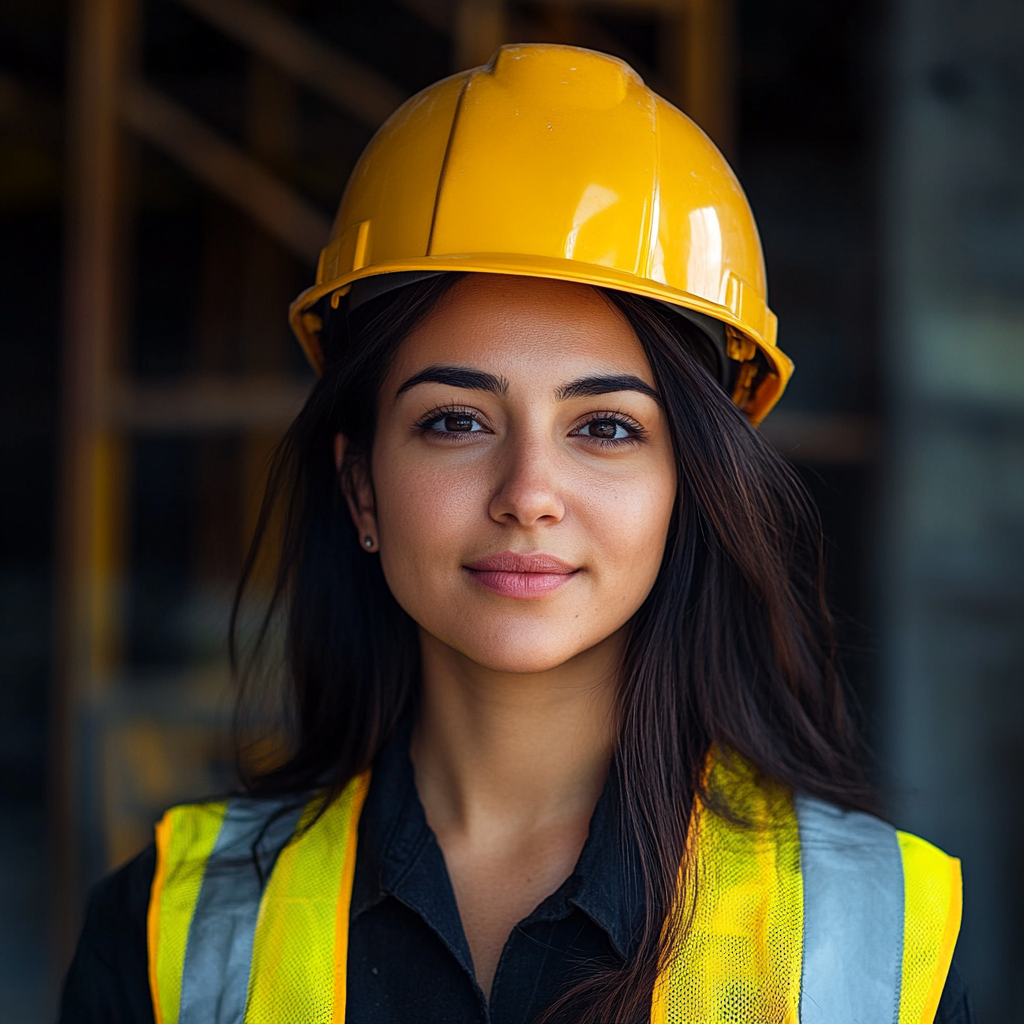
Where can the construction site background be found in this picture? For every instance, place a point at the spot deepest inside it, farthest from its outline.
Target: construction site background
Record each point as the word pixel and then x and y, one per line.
pixel 168 172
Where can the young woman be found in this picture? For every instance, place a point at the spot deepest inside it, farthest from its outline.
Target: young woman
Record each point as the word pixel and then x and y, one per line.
pixel 566 739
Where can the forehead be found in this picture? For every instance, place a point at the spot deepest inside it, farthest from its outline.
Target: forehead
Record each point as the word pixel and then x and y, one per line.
pixel 530 328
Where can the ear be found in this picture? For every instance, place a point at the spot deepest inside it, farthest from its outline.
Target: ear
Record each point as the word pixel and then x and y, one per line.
pixel 358 489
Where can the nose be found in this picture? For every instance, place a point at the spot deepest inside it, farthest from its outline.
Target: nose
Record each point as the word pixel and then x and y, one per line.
pixel 529 491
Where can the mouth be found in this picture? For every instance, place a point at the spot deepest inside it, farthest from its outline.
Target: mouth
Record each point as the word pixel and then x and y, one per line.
pixel 521 576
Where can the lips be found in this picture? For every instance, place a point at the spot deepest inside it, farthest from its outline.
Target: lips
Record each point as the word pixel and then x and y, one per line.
pixel 521 576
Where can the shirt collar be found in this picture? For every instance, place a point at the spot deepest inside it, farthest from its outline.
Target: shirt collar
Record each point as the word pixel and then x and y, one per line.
pixel 605 883
pixel 392 826
pixel 394 837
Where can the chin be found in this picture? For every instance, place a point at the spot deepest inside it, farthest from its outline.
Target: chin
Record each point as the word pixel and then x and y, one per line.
pixel 516 649
pixel 519 662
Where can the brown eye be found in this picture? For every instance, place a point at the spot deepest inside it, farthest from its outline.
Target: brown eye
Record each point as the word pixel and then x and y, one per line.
pixel 453 423
pixel 606 430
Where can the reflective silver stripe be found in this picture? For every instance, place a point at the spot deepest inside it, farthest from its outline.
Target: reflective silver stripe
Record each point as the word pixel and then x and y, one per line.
pixel 215 979
pixel 853 916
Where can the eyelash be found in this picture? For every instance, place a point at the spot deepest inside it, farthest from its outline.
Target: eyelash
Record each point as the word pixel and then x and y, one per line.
pixel 428 422
pixel 637 434
pixel 636 431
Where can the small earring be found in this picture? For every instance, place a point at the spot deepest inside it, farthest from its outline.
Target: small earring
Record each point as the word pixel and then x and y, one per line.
pixel 368 542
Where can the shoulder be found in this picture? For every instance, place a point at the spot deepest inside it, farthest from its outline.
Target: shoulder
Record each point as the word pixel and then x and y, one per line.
pixel 832 833
pixel 108 981
pixel 900 901
pixel 118 904
pixel 241 832
pixel 955 1006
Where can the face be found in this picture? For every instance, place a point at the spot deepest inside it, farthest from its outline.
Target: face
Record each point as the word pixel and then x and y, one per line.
pixel 522 473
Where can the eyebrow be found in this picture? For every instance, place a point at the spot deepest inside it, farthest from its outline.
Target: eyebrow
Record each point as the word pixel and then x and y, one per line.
pixel 478 380
pixel 586 387
pixel 457 377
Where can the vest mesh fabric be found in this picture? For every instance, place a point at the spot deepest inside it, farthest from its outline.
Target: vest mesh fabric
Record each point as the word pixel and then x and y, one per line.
pixel 738 961
pixel 742 898
pixel 932 896
pixel 185 838
pixel 300 950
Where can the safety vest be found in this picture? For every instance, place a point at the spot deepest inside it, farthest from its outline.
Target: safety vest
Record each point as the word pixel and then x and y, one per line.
pixel 803 914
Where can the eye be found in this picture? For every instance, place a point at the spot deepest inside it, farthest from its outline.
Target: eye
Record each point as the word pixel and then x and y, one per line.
pixel 612 429
pixel 451 421
pixel 606 430
pixel 456 423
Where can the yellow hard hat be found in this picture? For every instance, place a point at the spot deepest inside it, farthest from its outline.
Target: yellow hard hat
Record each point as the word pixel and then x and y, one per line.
pixel 558 162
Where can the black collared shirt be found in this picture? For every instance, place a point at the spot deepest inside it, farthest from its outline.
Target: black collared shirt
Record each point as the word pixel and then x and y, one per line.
pixel 404 913
pixel 408 955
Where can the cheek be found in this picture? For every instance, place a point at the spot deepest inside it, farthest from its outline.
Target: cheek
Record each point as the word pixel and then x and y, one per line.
pixel 424 511
pixel 627 523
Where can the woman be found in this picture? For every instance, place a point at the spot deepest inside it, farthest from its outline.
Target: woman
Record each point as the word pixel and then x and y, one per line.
pixel 567 739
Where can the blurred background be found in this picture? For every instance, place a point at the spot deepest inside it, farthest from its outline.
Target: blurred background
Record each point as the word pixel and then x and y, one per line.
pixel 168 170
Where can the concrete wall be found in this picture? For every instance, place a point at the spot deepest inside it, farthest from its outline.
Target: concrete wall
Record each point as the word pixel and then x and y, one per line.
pixel 952 574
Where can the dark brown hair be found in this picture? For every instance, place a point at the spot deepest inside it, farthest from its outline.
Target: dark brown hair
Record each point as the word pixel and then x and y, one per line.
pixel 734 647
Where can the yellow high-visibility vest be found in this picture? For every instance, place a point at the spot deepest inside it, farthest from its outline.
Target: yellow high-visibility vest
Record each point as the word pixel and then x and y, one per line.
pixel 804 914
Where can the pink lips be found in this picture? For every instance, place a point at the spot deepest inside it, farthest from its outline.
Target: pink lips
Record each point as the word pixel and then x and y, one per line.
pixel 522 576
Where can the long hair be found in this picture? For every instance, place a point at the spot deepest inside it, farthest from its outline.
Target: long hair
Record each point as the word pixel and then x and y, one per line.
pixel 733 649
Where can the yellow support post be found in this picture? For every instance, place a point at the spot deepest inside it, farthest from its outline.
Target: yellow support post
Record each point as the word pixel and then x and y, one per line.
pixel 91 498
pixel 701 40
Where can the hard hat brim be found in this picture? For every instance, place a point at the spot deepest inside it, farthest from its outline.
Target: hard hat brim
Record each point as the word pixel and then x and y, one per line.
pixel 307 325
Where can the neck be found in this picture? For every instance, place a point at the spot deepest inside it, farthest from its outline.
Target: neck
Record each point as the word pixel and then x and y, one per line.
pixel 509 751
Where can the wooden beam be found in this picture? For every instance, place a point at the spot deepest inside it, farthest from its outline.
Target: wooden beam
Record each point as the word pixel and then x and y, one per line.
pixel 206 405
pixel 349 83
pixel 481 26
pixel 226 169
pixel 703 35
pixel 101 44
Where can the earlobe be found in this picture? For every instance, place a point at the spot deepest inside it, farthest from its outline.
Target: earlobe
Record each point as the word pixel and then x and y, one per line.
pixel 358 490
